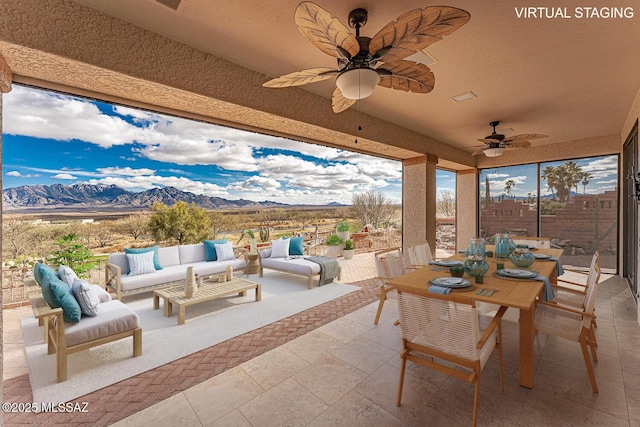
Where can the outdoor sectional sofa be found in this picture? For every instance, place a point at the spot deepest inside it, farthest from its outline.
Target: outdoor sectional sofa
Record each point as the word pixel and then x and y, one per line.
pixel 173 262
pixel 301 265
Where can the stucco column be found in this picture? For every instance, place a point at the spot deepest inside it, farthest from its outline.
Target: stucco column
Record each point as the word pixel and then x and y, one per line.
pixel 5 86
pixel 419 200
pixel 466 207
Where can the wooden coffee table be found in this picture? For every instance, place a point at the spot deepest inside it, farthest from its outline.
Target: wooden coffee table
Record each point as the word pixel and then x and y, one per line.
pixel 206 292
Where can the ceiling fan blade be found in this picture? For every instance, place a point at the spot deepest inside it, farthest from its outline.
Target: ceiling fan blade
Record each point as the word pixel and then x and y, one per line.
pixel 339 103
pixel 489 141
pixel 524 137
pixel 303 77
pixel 518 144
pixel 325 31
pixel 415 30
pixel 407 76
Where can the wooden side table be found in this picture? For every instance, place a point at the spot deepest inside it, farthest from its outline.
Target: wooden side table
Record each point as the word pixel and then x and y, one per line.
pixel 252 264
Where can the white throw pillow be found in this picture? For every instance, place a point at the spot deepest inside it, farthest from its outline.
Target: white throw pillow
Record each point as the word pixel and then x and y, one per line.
pixel 103 295
pixel 224 251
pixel 140 263
pixel 280 248
pixel 86 297
pixel 67 275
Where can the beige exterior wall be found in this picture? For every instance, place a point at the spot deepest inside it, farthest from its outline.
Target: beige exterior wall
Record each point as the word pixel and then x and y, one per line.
pixel 419 201
pixel 466 207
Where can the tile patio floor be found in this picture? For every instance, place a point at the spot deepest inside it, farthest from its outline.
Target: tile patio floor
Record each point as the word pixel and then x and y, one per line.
pixel 330 366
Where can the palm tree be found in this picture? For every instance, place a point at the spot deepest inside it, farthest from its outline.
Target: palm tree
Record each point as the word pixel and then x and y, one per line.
pixel 509 185
pixel 586 176
pixel 549 175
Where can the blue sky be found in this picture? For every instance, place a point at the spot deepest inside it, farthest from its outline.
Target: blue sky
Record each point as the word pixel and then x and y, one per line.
pixel 603 170
pixel 52 138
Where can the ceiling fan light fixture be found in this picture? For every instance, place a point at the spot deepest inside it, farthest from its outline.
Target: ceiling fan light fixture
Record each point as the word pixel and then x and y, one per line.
pixel 357 83
pixel 494 151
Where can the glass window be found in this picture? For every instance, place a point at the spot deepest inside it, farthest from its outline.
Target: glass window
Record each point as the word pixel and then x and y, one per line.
pixel 445 213
pixel 573 202
pixel 509 200
pixel 579 208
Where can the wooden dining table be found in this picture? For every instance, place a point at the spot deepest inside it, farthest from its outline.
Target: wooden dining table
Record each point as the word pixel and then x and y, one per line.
pixel 514 293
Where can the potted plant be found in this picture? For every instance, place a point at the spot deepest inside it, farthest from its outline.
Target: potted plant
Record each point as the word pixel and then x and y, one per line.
pixel 348 250
pixel 334 244
pixel 342 230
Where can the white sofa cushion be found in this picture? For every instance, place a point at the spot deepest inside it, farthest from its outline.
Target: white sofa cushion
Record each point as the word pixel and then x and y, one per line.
pixel 191 253
pixel 294 265
pixel 169 256
pixel 178 272
pixel 113 317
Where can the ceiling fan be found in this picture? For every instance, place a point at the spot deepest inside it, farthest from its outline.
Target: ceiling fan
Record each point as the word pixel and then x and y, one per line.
pixel 495 144
pixel 357 55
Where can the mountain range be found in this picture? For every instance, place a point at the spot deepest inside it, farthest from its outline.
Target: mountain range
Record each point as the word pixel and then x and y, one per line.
pixel 112 197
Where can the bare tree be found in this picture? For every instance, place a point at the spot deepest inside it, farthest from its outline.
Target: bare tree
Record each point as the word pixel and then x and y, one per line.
pixel 221 223
pixel 446 203
pixel 372 207
pixel 136 225
pixel 15 235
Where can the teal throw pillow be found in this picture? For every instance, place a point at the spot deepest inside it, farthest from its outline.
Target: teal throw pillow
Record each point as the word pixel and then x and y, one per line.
pixel 296 246
pixel 39 271
pixel 210 248
pixel 48 274
pixel 156 257
pixel 63 297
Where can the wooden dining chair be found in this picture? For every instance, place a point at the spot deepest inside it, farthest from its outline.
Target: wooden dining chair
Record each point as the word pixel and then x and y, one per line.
pixel 572 324
pixel 389 264
pixel 447 332
pixel 573 293
pixel 418 255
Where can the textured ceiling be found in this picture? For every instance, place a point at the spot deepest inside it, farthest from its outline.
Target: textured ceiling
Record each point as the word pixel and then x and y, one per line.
pixel 572 79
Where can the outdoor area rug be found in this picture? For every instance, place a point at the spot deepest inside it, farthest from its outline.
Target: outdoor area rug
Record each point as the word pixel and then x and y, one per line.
pixel 163 340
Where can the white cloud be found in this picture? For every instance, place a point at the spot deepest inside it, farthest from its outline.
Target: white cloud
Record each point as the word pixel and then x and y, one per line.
pixel 14 173
pixel 64 176
pixel 125 171
pixel 42 114
pixel 311 172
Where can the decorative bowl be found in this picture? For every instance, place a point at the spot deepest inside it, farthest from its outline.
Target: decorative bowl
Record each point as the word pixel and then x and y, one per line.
pixel 521 257
pixel 476 265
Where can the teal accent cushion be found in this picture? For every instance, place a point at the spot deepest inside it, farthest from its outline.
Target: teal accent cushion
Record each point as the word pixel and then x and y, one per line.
pixel 39 271
pixel 63 297
pixel 210 249
pixel 296 246
pixel 48 274
pixel 156 258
